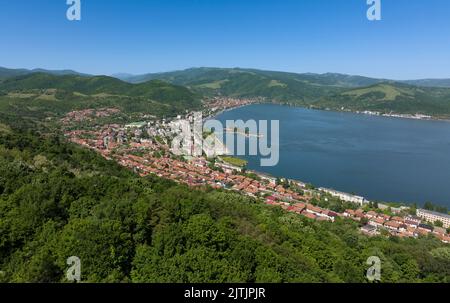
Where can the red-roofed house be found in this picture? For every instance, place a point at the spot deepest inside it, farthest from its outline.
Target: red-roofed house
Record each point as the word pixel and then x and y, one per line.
pixel 309 215
pixel 392 225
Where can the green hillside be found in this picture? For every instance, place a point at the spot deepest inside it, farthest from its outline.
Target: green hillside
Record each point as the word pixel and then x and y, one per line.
pixel 278 86
pixel 392 97
pixel 196 75
pixel 9 72
pixel 44 93
pixel 193 75
pixel 331 91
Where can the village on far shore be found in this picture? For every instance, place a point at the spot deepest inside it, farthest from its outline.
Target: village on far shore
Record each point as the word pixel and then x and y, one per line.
pixel 145 147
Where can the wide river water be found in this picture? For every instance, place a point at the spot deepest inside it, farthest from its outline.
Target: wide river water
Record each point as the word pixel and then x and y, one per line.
pixel 380 158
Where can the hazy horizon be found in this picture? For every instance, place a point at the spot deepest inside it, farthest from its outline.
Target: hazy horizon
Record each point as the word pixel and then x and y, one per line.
pixel 197 67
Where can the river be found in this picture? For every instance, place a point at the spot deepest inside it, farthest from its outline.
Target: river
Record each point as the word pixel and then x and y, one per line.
pixel 381 158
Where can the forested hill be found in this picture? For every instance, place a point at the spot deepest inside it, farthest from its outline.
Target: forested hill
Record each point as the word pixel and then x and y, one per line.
pixel 238 82
pixel 58 200
pixel 204 75
pixel 9 72
pixel 41 92
pixel 331 90
pixel 391 97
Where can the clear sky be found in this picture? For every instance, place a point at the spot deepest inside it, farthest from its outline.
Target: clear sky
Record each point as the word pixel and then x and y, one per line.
pixel 141 36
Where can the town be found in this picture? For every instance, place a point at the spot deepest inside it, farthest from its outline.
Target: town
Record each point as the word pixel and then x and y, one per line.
pixel 144 147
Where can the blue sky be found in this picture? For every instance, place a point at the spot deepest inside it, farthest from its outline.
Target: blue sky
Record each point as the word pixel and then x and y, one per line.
pixel 137 36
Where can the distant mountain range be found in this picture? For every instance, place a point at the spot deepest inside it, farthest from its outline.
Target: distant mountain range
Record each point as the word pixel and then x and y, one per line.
pixel 276 86
pixel 122 76
pixel 8 72
pixel 323 91
pixel 199 76
pixel 430 82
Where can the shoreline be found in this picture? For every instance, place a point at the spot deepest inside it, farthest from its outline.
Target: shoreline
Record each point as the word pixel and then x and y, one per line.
pixel 417 117
pixel 370 113
pixel 403 203
pixel 214 115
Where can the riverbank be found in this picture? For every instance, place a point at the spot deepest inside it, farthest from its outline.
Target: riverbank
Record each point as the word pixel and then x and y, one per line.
pixel 215 114
pixel 383 159
pixel 416 116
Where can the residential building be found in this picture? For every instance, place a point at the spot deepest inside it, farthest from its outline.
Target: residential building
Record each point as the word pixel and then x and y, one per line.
pixel 432 216
pixel 369 230
pixel 345 197
pixel 392 225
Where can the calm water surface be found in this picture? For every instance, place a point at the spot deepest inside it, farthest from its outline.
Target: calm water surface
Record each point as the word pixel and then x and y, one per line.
pixel 380 158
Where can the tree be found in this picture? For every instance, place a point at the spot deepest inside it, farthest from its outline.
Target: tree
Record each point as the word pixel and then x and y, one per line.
pixel 428 206
pixel 438 223
pixel 437 208
pixel 363 221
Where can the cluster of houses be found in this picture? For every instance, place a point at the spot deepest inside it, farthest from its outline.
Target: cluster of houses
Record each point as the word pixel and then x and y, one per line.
pixel 127 146
pixel 88 115
pixel 408 226
pixel 198 172
pixel 107 137
pixel 416 116
pixel 113 142
pixel 305 209
pixel 218 104
pixel 401 226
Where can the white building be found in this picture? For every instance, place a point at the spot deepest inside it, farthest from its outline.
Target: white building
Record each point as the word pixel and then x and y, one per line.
pixel 432 216
pixel 228 168
pixel 136 125
pixel 266 177
pixel 344 196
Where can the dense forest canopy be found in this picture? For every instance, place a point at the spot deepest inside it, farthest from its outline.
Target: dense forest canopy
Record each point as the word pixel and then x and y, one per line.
pixel 58 200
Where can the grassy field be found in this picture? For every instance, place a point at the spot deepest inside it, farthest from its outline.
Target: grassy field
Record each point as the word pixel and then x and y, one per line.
pixel 234 161
pixel 390 92
pixel 274 83
pixel 212 85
